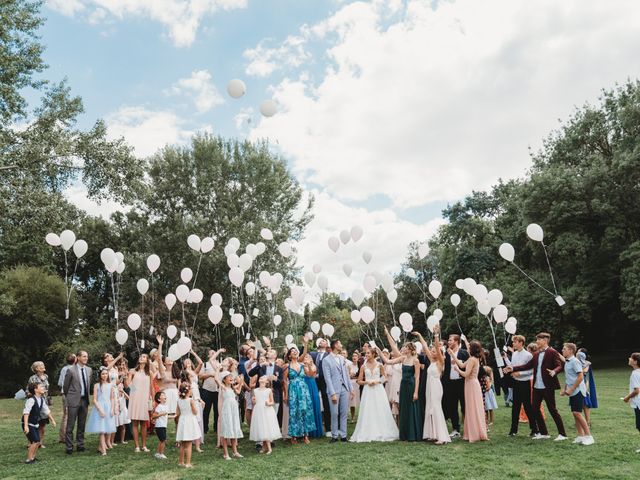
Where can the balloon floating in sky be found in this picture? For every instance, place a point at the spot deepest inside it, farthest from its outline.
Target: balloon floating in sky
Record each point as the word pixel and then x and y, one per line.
pixel 268 108
pixel 236 88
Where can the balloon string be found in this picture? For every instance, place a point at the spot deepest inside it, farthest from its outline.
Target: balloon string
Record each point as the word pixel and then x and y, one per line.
pixel 459 327
pixel 142 316
pixel 550 271
pixel 113 298
pixel 153 303
pixel 393 315
pixel 532 280
pixel 493 333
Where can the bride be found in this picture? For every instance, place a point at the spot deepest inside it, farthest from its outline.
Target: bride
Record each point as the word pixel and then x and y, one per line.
pixel 375 422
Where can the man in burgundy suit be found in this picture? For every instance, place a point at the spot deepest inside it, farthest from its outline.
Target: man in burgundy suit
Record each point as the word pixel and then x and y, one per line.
pixel 546 364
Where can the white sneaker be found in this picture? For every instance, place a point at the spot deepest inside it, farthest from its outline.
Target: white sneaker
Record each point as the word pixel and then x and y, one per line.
pixel 455 434
pixel 588 440
pixel 158 456
pixel 579 440
pixel 328 434
pixel 539 436
pixel 560 438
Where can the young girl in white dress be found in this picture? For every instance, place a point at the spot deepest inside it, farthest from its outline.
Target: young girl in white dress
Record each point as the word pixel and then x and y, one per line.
pixel 229 418
pixel 375 421
pixel 435 426
pixel 188 429
pixel 264 424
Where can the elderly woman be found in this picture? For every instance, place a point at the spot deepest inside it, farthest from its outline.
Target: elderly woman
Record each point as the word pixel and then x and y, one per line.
pixel 39 376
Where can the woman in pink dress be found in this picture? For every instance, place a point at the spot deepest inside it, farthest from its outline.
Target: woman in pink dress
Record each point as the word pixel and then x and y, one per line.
pixel 475 426
pixel 139 381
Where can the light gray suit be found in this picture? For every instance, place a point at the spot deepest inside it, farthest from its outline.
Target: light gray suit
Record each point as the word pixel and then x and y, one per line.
pixel 77 404
pixel 338 383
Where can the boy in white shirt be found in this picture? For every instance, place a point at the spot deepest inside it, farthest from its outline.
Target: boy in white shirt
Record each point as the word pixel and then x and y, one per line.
pixel 633 398
pixel 160 415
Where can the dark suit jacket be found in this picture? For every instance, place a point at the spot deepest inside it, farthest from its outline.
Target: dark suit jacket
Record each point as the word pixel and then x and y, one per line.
pixel 276 385
pixel 314 355
pixel 73 387
pixel 463 356
pixel 551 361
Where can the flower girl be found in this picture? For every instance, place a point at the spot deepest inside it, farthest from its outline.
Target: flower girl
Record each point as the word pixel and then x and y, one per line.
pixel 264 424
pixel 230 429
pixel 188 428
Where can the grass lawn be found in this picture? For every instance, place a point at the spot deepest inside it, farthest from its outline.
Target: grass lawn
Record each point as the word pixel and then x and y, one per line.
pixel 613 456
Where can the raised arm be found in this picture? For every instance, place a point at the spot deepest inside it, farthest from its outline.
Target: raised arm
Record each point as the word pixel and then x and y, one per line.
pixel 115 360
pixel 199 360
pixel 425 346
pixel 392 342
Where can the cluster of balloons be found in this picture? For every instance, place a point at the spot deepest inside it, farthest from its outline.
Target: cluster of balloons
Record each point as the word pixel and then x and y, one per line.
pixel 345 237
pixel 113 261
pixel 67 240
pixel 236 88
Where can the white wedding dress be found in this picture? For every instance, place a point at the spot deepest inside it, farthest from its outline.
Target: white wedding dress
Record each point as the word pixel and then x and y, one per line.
pixel 435 425
pixel 375 422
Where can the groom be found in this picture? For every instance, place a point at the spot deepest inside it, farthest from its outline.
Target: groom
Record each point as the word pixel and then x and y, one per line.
pixel 336 377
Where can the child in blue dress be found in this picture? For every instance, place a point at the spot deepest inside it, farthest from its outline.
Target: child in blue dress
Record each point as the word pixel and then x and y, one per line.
pixel 102 419
pixel 490 401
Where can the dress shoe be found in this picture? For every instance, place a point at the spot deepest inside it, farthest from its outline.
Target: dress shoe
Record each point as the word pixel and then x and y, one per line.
pixel 69 452
pixel 333 440
pixel 80 449
pixel 343 439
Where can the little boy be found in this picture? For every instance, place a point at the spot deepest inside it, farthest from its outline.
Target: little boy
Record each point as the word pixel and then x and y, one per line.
pixel 34 407
pixel 575 389
pixel 160 415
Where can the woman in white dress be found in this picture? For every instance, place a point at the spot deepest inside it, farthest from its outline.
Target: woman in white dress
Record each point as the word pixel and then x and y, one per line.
pixel 435 426
pixel 375 422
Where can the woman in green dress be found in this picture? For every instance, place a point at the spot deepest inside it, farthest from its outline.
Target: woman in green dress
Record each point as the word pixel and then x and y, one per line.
pixel 410 418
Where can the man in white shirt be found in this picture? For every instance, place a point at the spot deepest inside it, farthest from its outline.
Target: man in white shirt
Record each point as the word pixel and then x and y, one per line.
pixel 209 389
pixel 453 385
pixel 521 386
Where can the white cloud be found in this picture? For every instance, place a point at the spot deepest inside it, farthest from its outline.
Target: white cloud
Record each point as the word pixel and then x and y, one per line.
pixel 386 237
pixel 77 194
pixel 264 60
pixel 425 105
pixel 147 130
pixel 181 17
pixel 200 89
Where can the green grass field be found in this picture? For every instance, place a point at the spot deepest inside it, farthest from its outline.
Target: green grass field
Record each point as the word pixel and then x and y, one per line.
pixel 613 456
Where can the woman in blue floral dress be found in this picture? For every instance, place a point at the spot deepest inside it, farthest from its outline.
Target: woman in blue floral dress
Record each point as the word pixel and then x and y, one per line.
pixel 296 393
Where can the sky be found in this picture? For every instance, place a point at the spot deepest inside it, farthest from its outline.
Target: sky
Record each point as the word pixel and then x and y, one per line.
pixel 387 110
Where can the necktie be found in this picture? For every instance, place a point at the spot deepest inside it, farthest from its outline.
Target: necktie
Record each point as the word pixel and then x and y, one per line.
pixel 84 384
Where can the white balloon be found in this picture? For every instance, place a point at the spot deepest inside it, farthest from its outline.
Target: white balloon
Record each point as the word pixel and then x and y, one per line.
pixel 260 248
pixel 234 242
pixel 112 265
pixel 347 269
pixel 277 320
pixel 460 284
pixel 184 345
pixel 122 336
pixel 369 283
pixel 455 299
pixel 495 297
pixel 52 239
pixel 310 279
pixel 500 314
pixel 435 288
pixel 215 314
pixel 408 327
pixel 194 242
pixel 250 288
pixel 236 88
pixel 327 329
pixel 357 296
pixel 134 321
pixel 245 262
pixel 423 250
pixel 484 307
pixel 265 278
pixel 480 292
pixel 315 327
pixel 233 261
pixel 182 293
pixel 229 250
pixel 345 236
pixel 510 327
pixel 216 299
pixel 323 282
pixel 174 352
pixel 356 233
pixel 236 275
pixel 366 256
pixel 195 296
pixel 334 244
pixel 422 307
pixel 237 319
pixel 288 339
pixel 355 316
pixel 268 108
pixel 297 294
pixel 186 274
pixel 120 267
pixel 80 247
pixel 410 272
pixel 367 314
pixel 207 244
pixel 438 314
pixel 534 231
pixel 432 321
pixel 469 286
pixel 266 234
pixel 67 239
pixel 290 304
pixel 170 300
pixel 153 262
pixel 405 319
pixel 392 295
pixel 143 286
pixel 317 268
pixel 252 250
pixel 172 331
pixel 507 252
pixel 107 256
pixel 395 333
pixel 285 249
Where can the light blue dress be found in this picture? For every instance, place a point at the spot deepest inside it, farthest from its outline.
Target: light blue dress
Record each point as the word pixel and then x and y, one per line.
pixel 301 416
pixel 106 424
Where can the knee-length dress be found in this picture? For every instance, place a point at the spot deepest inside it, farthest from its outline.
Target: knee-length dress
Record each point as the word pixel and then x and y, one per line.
pixel 98 423
pixel 139 396
pixel 410 418
pixel 475 426
pixel 264 420
pixel 230 415
pixel 301 418
pixel 188 428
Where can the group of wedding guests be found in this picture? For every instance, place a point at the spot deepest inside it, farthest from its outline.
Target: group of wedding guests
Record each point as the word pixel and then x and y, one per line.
pixel 406 394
